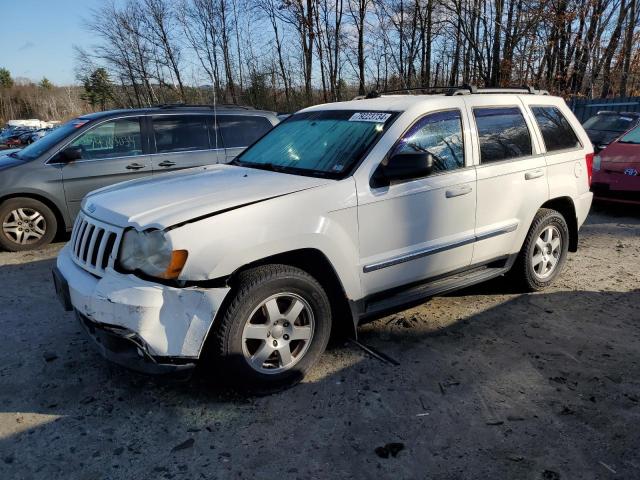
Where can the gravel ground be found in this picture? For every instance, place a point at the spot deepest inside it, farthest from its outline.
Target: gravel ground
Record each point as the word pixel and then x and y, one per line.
pixel 490 384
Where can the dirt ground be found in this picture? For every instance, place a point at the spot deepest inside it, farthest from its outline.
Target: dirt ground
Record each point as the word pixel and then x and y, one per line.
pixel 491 383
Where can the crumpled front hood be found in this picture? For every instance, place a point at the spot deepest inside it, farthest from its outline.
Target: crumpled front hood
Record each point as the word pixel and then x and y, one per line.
pixel 174 198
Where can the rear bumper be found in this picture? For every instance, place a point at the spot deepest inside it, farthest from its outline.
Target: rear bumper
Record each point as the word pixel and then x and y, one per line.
pixel 141 325
pixel 583 205
pixel 616 187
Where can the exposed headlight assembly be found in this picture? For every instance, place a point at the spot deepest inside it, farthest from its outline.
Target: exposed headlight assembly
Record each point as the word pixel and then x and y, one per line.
pixel 150 252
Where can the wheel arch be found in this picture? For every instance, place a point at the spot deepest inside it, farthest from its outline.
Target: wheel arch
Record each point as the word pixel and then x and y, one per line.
pixel 55 208
pixel 566 207
pixel 316 264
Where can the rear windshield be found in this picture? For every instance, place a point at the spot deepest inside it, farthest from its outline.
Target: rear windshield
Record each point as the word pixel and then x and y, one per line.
pixel 40 146
pixel 327 143
pixel 610 123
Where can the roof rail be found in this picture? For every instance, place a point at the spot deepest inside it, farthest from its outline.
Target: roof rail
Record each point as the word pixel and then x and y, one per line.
pixel 458 90
pixel 210 106
pixel 518 90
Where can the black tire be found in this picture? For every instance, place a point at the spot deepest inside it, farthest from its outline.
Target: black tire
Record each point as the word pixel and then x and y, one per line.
pixel 49 224
pixel 252 289
pixel 523 271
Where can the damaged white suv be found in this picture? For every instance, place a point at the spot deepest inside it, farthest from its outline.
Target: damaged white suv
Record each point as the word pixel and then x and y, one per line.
pixel 342 213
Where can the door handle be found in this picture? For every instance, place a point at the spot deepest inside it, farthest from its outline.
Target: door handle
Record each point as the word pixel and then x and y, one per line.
pixel 458 192
pixel 166 163
pixel 534 174
pixel 134 166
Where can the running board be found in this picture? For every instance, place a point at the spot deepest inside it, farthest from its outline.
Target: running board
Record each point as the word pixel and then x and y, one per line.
pixel 419 293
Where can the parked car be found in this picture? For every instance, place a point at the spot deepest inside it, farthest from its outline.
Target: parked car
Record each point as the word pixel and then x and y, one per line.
pixel 42 185
pixel 616 170
pixel 341 213
pixel 11 137
pixel 38 134
pixel 604 127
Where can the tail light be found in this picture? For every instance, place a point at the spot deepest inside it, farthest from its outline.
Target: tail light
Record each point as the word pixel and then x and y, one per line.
pixel 589 159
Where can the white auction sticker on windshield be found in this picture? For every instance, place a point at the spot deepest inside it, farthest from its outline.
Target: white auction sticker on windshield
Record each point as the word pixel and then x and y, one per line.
pixel 374 117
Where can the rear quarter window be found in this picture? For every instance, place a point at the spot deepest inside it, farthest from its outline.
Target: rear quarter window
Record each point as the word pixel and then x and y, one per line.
pixel 555 128
pixel 503 134
pixel 242 130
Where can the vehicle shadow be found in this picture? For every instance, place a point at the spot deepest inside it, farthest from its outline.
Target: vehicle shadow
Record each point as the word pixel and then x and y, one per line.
pixel 544 382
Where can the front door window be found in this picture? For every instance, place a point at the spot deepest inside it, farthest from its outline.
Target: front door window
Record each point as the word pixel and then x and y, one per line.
pixel 112 139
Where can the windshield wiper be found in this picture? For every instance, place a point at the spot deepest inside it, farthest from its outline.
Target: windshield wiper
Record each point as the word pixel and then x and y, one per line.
pixel 13 155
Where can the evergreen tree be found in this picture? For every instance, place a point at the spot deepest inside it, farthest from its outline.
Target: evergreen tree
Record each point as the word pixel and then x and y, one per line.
pixel 45 83
pixel 98 88
pixel 5 78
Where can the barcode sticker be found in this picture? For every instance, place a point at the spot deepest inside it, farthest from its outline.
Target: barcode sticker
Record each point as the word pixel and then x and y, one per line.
pixel 374 117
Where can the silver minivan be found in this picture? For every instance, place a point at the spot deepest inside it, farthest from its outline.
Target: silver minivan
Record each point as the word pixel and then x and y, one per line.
pixel 41 186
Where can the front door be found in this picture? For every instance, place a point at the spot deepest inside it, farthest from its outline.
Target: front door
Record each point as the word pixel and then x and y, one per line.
pixel 111 153
pixel 421 228
pixel 512 176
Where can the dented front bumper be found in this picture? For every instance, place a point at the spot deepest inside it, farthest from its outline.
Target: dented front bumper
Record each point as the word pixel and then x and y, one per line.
pixel 165 326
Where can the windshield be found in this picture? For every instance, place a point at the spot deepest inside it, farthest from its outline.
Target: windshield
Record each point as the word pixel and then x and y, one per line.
pixel 610 123
pixel 632 137
pixel 324 143
pixel 40 146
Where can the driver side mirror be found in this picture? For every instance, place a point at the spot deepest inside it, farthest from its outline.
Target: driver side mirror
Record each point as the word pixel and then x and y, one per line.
pixel 403 166
pixel 69 154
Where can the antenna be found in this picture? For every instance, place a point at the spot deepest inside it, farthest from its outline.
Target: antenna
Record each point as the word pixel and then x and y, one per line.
pixel 215 120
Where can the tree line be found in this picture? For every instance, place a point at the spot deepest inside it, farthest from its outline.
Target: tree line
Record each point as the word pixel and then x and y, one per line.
pixel 286 54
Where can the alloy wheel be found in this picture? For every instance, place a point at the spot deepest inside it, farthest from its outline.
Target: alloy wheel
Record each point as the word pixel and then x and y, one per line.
pixel 546 252
pixel 278 333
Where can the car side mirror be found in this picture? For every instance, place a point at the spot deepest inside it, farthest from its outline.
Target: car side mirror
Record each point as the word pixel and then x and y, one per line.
pixel 403 166
pixel 70 154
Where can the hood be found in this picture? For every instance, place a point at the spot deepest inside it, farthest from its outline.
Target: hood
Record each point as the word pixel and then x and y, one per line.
pixel 173 198
pixel 6 161
pixel 618 156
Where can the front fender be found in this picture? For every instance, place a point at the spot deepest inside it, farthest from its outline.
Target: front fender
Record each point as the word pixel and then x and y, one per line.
pixel 324 219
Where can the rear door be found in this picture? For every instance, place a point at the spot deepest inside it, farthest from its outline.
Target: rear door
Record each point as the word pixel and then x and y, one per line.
pixel 183 141
pixel 240 131
pixel 112 152
pixel 511 175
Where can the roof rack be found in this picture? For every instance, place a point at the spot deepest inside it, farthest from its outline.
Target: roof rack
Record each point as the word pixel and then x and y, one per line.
pixel 459 90
pixel 210 106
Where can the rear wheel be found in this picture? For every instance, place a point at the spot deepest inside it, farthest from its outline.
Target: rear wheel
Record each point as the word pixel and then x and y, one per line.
pixel 544 251
pixel 274 329
pixel 27 224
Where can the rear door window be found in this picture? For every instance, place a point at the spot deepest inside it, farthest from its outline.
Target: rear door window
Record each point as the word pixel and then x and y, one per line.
pixel 112 139
pixel 503 134
pixel 180 133
pixel 555 128
pixel 239 131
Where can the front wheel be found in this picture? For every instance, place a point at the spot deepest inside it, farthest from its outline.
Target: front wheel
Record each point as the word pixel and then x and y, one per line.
pixel 544 251
pixel 274 329
pixel 27 224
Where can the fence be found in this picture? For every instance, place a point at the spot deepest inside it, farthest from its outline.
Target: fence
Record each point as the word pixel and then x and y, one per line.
pixel 585 108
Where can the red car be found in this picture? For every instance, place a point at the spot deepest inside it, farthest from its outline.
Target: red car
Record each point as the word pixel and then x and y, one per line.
pixel 616 170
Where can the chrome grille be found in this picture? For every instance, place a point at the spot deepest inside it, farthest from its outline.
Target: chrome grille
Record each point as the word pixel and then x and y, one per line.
pixel 94 244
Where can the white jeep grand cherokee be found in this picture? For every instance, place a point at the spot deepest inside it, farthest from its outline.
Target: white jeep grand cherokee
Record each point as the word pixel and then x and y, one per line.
pixel 343 212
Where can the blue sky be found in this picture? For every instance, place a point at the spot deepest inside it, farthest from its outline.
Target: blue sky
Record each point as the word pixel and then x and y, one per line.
pixel 37 37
